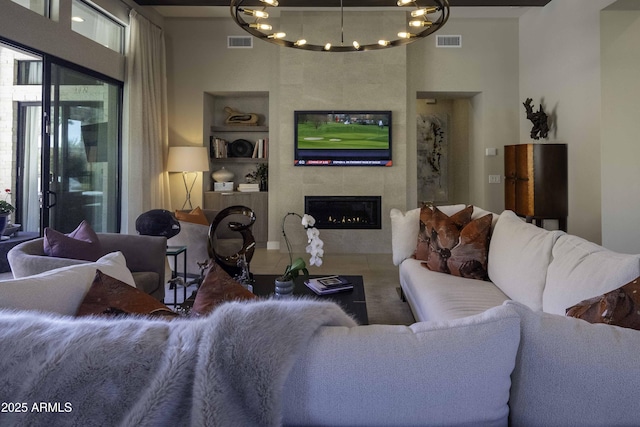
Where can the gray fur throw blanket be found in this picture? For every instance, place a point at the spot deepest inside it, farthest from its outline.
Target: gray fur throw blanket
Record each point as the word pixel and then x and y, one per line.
pixel 226 369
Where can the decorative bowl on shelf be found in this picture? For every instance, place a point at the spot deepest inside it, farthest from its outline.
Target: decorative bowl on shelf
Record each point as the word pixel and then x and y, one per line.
pixel 222 175
pixel 240 148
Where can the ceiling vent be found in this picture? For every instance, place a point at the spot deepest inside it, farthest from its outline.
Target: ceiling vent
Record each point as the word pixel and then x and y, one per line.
pixel 239 42
pixel 448 41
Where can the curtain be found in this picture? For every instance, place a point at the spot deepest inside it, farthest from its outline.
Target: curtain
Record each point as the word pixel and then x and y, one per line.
pixel 32 157
pixel 145 184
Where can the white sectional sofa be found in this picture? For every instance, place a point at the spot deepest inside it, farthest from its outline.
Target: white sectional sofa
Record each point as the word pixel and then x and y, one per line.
pixel 299 363
pixel 545 270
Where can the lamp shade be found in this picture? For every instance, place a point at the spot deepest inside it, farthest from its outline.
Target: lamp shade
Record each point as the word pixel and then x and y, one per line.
pixel 188 159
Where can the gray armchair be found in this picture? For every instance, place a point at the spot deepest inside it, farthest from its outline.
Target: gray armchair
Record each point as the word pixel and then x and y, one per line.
pixel 145 255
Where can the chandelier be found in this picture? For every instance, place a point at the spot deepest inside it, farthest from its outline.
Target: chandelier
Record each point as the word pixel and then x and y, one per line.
pixel 424 20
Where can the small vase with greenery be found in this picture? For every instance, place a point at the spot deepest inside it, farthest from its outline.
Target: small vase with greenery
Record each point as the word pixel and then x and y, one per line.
pixel 5 210
pixel 259 176
pixel 5 207
pixel 314 248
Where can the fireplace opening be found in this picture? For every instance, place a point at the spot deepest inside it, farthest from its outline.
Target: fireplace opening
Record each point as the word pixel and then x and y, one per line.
pixel 345 212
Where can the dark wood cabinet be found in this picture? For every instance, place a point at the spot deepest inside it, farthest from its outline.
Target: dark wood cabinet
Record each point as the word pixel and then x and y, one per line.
pixel 536 182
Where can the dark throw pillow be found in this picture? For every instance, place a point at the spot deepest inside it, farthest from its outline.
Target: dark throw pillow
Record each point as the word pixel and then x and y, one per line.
pixel 216 288
pixel 454 244
pixel 620 307
pixel 108 296
pixel 82 243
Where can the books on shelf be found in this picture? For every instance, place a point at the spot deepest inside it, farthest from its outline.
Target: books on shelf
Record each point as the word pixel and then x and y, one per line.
pixel 261 149
pixel 248 187
pixel 218 148
pixel 328 285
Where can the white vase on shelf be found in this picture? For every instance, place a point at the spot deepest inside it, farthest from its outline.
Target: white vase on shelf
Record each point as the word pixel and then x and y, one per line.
pixel 222 175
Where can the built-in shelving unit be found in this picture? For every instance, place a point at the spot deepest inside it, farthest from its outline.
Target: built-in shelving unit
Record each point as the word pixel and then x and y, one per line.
pixel 214 118
pixel 215 127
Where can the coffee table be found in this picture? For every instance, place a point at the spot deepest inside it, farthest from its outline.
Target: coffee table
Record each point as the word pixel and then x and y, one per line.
pixel 353 301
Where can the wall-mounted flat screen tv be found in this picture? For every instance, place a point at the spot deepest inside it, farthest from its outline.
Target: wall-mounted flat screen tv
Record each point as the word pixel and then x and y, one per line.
pixel 343 138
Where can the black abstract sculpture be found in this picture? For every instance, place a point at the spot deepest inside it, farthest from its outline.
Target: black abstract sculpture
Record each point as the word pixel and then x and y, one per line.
pixel 540 127
pixel 229 263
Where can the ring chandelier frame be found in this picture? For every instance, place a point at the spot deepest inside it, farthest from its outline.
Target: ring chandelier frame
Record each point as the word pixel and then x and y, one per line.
pixel 420 25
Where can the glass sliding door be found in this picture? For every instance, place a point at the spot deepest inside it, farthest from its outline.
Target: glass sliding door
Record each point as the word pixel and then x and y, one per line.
pixel 84 151
pixel 21 76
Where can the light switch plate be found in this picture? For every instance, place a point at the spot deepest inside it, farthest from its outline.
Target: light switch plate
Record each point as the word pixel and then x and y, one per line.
pixel 494 179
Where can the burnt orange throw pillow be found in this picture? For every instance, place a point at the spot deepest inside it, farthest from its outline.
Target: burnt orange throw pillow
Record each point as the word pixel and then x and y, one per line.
pixel 110 297
pixel 620 307
pixel 196 216
pixel 454 244
pixel 216 288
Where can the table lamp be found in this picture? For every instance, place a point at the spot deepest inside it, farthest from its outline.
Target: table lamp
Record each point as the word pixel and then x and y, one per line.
pixel 187 160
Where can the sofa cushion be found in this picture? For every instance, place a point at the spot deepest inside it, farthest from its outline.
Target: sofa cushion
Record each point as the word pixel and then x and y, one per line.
pixel 82 243
pixel 439 231
pixel 519 255
pixel 620 307
pixel 565 365
pixel 581 270
pixel 109 296
pixel 216 288
pixel 196 216
pixel 405 227
pixel 149 281
pixel 437 296
pixel 447 373
pixel 454 244
pixel 61 290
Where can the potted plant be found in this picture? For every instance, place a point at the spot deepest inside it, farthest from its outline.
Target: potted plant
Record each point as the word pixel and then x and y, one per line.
pixel 284 283
pixel 6 209
pixel 259 176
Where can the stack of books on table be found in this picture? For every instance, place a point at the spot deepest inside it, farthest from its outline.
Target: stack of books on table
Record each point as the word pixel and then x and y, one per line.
pixel 328 285
pixel 248 187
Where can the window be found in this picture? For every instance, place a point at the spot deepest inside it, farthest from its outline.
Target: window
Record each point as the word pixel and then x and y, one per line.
pixel 71 137
pixel 39 6
pixel 97 26
pixel 29 73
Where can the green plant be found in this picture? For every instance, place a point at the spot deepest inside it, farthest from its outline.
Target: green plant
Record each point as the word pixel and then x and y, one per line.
pixel 314 248
pixel 6 207
pixel 260 174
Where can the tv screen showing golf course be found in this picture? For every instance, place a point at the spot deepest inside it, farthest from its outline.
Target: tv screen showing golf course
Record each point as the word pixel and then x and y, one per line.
pixel 342 138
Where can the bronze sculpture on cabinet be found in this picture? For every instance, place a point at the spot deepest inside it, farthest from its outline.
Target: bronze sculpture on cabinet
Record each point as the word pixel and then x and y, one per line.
pixel 536 182
pixel 539 119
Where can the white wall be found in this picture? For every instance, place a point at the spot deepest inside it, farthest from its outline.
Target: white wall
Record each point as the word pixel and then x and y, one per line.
pixel 620 131
pixel 198 61
pixel 486 69
pixel 560 68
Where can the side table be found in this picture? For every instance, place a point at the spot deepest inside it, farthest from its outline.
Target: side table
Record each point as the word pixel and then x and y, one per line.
pixel 174 251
